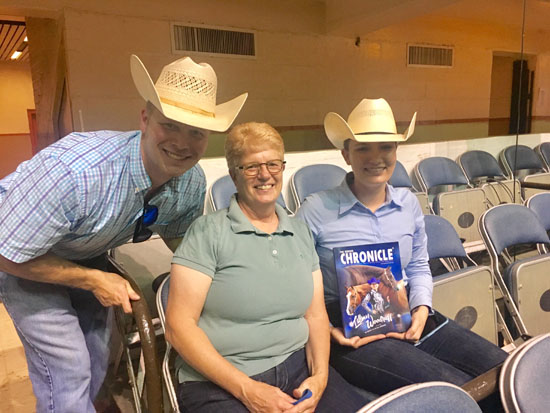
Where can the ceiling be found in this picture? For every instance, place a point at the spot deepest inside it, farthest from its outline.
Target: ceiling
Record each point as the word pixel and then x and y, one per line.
pixel 12 34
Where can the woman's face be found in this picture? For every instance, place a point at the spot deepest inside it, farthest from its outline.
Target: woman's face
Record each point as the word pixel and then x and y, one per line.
pixel 265 186
pixel 373 162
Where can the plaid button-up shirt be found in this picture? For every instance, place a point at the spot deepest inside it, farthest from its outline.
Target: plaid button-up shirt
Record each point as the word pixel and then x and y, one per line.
pixel 82 195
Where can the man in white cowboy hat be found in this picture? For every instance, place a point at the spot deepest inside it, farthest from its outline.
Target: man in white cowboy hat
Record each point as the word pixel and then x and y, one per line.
pixel 366 209
pixel 88 193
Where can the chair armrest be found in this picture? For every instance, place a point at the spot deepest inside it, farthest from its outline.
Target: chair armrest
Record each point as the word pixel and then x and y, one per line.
pixel 484 385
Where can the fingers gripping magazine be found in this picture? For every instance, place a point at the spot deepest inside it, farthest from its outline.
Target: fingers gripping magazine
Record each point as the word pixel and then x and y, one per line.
pixel 373 297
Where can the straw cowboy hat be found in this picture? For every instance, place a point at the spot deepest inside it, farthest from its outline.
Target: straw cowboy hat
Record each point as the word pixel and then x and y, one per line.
pixel 186 92
pixel 371 121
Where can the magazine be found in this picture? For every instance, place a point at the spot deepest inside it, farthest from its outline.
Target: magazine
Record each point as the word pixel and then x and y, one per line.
pixel 373 297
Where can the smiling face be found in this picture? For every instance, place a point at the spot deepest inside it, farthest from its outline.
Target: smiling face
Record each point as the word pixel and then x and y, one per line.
pixel 169 148
pixel 263 189
pixel 372 163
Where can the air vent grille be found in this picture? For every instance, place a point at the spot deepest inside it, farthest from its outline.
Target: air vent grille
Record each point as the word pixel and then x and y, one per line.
pixel 432 56
pixel 212 40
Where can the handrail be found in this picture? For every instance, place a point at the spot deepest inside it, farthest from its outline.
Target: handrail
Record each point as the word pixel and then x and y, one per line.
pixel 146 329
pixel 484 385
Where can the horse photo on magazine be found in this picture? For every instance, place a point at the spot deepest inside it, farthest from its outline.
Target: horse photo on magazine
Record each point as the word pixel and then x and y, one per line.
pixel 373 297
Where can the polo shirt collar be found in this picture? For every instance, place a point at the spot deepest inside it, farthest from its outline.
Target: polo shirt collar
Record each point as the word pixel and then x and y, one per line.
pixel 348 199
pixel 240 223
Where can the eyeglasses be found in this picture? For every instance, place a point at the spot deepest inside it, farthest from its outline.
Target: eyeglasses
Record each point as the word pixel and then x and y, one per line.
pixel 149 216
pixel 253 169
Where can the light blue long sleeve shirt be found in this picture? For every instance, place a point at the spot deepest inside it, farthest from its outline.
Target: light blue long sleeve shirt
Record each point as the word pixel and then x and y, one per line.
pixel 337 219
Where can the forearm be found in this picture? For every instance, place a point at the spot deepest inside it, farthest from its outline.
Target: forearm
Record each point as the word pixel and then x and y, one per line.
pixel 194 346
pixel 318 345
pixel 50 268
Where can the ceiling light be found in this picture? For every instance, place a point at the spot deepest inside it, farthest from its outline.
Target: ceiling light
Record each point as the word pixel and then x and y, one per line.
pixel 16 55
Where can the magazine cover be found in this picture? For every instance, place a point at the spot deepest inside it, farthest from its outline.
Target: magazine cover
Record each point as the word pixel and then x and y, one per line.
pixel 373 297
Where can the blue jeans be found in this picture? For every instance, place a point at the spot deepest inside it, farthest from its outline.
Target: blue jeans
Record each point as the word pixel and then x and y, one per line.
pixel 452 354
pixel 65 332
pixel 205 396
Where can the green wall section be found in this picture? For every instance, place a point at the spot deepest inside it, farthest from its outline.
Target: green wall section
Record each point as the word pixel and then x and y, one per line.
pixel 314 138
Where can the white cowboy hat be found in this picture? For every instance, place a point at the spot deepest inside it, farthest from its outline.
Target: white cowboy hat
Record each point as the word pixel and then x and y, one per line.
pixel 371 121
pixel 186 92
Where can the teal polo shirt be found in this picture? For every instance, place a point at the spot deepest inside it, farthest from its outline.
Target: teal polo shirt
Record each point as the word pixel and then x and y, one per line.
pixel 261 287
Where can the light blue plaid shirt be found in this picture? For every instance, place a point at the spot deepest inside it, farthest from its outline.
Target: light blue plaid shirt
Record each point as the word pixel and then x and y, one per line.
pixel 83 194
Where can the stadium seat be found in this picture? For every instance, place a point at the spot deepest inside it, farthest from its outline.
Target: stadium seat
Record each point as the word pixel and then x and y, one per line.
pixel 543 151
pixel 462 290
pixel 443 179
pixel 525 375
pixel 524 163
pixel 314 178
pixel 433 397
pixel 400 179
pixel 524 282
pixel 222 189
pixel 483 171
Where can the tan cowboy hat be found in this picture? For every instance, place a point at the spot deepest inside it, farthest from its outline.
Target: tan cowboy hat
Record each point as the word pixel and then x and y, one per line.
pixel 186 92
pixel 371 121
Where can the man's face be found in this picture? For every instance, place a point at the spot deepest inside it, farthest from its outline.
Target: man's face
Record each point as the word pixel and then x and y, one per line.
pixel 169 148
pixel 372 162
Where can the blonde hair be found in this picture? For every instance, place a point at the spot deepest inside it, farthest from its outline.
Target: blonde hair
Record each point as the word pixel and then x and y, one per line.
pixel 251 136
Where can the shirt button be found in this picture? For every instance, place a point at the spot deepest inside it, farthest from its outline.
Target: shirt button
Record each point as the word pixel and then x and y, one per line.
pixel 270 238
pixel 274 252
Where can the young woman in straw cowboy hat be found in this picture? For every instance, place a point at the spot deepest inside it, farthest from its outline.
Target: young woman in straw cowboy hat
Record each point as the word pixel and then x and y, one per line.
pixel 365 209
pixel 85 194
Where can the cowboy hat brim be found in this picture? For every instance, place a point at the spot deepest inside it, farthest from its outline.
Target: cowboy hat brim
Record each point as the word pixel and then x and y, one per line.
pixel 338 131
pixel 224 115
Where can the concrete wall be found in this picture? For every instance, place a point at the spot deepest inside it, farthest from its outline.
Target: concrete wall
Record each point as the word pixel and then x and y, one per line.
pixel 300 73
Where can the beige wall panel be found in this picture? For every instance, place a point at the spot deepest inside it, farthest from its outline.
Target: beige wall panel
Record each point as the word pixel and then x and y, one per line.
pixel 16 96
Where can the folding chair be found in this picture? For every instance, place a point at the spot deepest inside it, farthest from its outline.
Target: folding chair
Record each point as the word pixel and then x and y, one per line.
pixel 523 162
pixel 524 282
pixel 220 192
pixel 400 179
pixel 540 205
pixel 441 178
pixel 140 263
pixel 463 291
pixel 525 375
pixel 483 171
pixel 162 301
pixel 433 397
pixel 314 178
pixel 543 151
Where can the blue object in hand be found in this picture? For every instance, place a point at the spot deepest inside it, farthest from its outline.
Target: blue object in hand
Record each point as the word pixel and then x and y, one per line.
pixel 305 395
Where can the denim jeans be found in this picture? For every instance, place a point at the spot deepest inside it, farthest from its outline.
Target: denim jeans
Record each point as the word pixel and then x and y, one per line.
pixel 452 354
pixel 204 397
pixel 65 332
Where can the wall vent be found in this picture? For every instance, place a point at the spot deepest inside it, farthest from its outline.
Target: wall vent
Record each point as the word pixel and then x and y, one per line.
pixel 429 56
pixel 212 40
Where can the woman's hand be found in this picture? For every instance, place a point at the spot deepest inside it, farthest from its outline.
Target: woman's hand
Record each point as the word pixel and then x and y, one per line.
pixel 337 335
pixel 316 384
pixel 261 397
pixel 419 316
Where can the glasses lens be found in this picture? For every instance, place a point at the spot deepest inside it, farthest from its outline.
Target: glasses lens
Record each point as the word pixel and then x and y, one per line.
pixel 150 215
pixel 274 166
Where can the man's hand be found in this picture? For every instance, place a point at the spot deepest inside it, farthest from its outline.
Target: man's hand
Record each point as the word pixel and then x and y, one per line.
pixel 419 316
pixel 261 397
pixel 337 335
pixel 112 289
